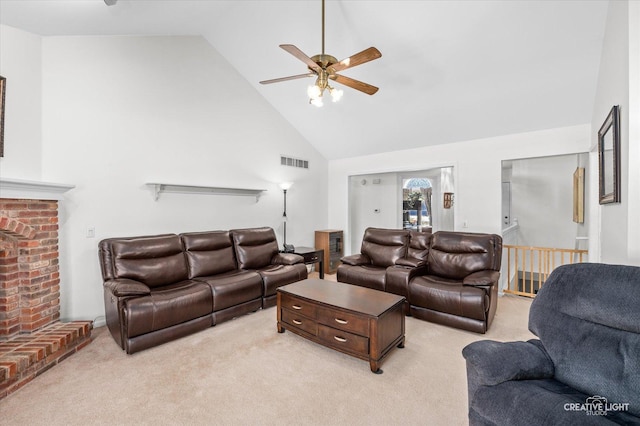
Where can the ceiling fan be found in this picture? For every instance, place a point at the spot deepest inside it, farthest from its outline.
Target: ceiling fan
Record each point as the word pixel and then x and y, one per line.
pixel 325 67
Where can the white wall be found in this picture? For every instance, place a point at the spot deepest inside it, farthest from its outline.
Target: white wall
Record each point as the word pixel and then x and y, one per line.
pixel 20 64
pixel 374 204
pixel 542 201
pixel 477 172
pixel 118 112
pixel 618 227
pixel 634 131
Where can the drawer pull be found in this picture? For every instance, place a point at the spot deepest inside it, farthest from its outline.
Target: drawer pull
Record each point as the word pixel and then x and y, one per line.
pixel 298 307
pixel 297 322
pixel 341 321
pixel 340 339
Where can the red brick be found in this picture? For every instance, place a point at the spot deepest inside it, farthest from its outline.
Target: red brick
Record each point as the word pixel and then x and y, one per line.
pixel 11 367
pixel 28 243
pixel 42 206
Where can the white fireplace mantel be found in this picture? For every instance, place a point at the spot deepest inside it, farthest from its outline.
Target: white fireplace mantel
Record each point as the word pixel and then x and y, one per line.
pixel 33 190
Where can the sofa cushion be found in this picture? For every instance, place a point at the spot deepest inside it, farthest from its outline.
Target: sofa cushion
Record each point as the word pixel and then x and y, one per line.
pixel 274 276
pixel 455 255
pixel 363 276
pixel 167 306
pixel 384 246
pixel 450 296
pixel 155 261
pixel 254 247
pixel 233 288
pixel 209 253
pixel 546 402
pixel 419 245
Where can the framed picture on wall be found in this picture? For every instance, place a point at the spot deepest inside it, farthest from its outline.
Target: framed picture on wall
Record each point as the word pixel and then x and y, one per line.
pixel 609 157
pixel 3 84
pixel 578 195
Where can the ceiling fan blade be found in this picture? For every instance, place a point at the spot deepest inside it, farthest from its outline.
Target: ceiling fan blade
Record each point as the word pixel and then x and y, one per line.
pixel 300 55
pixel 355 84
pixel 358 59
pixel 292 77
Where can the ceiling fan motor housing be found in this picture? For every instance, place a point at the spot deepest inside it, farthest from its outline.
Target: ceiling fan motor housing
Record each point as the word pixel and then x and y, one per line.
pixel 324 60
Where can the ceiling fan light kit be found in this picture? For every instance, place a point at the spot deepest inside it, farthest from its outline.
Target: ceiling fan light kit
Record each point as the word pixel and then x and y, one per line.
pixel 325 67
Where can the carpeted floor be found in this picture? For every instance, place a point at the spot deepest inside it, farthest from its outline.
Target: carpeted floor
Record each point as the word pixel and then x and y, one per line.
pixel 243 372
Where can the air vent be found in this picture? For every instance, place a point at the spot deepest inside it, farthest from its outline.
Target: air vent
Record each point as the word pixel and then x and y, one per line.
pixel 294 162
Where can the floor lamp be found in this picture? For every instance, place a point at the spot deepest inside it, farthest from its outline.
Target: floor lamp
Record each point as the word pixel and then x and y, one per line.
pixel 285 186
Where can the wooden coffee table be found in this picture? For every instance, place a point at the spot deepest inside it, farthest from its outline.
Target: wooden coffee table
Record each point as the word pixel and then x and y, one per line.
pixel 357 321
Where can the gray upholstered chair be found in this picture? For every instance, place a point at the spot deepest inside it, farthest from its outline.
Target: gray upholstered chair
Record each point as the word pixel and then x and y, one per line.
pixel 584 368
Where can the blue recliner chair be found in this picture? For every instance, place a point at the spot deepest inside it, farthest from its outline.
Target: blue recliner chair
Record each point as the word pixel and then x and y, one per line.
pixel 584 368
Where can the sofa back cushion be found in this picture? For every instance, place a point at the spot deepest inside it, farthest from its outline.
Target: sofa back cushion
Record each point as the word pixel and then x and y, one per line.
pixel 455 255
pixel 419 245
pixel 254 247
pixel 153 260
pixel 209 253
pixel 384 246
pixel 587 317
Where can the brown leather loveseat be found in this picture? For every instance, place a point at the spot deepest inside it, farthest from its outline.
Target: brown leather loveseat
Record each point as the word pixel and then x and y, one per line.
pixel 450 278
pixel 162 287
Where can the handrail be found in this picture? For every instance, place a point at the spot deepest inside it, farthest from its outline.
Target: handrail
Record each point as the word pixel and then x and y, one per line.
pixel 529 267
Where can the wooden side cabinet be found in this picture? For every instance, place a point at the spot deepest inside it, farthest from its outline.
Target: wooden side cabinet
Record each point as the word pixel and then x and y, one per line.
pixel 330 240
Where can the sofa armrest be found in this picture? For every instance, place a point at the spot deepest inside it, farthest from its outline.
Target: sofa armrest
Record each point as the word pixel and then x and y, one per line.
pixel 356 259
pixel 122 287
pixel 485 278
pixel 397 278
pixel 411 262
pixel 491 363
pixel 287 259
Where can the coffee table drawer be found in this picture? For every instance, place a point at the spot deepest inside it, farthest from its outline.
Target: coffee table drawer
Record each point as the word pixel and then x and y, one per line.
pixel 294 319
pixel 342 340
pixel 344 321
pixel 298 305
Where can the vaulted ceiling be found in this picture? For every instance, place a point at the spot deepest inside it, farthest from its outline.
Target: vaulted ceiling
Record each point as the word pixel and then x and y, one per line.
pixel 450 70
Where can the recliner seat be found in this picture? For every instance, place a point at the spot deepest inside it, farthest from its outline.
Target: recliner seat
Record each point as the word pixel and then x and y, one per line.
pixel 460 287
pixel 584 367
pixel 256 249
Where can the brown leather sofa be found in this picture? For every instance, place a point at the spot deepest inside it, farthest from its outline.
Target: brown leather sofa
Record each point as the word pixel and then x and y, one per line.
pixel 449 278
pixel 162 287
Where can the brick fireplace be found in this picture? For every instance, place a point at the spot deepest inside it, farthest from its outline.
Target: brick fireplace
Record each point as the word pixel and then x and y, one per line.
pixel 32 338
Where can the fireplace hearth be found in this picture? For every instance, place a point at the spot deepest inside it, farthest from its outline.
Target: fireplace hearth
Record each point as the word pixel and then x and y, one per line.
pixel 32 338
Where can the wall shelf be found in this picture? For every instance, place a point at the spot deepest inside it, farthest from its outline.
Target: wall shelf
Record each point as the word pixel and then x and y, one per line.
pixel 159 188
pixel 29 189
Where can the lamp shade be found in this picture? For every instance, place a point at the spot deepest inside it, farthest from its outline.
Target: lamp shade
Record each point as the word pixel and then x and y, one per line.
pixel 285 185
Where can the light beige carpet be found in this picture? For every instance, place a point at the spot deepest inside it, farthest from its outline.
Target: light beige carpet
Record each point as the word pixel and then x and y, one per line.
pixel 243 372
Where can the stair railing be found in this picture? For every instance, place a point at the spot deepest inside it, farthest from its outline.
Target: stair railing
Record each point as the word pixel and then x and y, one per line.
pixel 529 267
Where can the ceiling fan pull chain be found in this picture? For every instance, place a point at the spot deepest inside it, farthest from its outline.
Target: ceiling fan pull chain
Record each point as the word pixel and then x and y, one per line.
pixel 323 27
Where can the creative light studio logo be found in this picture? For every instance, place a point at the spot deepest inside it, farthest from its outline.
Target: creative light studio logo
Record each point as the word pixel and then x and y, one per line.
pixel 596 406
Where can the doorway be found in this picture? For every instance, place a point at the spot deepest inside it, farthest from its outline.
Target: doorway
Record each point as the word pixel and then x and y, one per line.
pixel 378 200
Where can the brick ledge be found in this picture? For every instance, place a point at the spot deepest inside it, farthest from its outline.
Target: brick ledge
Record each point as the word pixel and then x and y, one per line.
pixel 26 356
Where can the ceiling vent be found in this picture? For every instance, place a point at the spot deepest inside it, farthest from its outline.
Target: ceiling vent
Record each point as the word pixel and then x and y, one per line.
pixel 294 162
